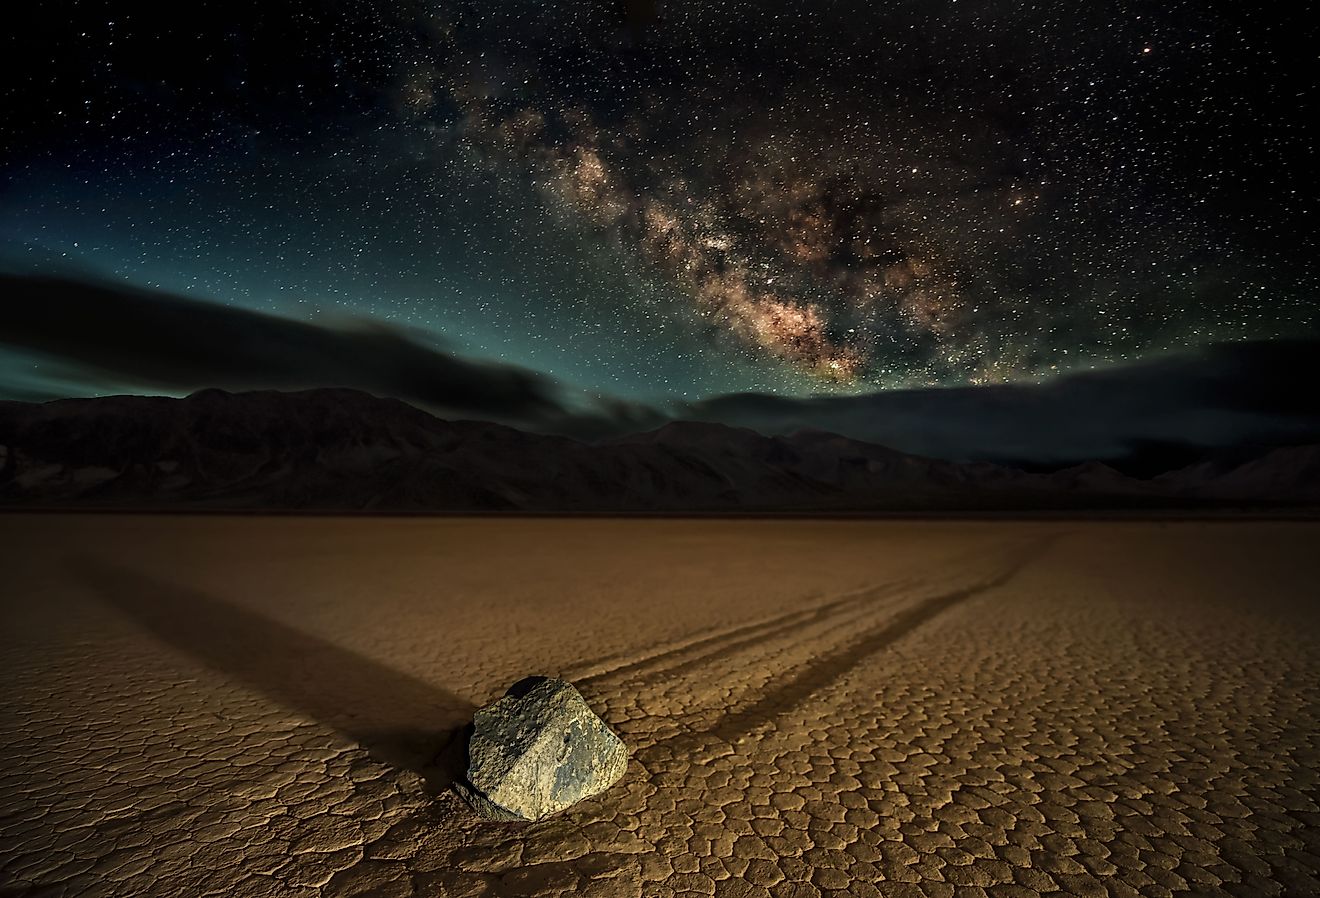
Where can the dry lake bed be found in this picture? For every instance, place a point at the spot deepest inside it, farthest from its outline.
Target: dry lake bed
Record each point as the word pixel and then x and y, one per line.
pixel 249 706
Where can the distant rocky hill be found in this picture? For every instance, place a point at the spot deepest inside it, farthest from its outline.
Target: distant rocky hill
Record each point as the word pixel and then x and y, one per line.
pixel 335 449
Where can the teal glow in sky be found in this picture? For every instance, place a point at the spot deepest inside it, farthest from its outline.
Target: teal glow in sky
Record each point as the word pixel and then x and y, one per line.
pixel 830 200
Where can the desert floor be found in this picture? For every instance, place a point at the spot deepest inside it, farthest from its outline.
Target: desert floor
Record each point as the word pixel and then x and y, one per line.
pixel 248 706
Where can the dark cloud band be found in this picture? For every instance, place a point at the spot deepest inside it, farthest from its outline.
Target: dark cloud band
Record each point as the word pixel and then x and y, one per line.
pixel 157 340
pixel 1154 413
pixel 1224 396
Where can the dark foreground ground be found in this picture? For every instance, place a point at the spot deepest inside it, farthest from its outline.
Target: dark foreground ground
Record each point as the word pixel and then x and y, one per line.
pixel 267 706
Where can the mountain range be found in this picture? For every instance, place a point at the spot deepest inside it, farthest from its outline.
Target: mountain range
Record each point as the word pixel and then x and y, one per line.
pixel 344 450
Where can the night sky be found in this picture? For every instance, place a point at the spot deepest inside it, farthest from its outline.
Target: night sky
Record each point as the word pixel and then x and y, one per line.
pixel 645 209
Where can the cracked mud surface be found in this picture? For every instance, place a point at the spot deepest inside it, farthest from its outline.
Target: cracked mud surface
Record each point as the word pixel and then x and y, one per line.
pixel 254 706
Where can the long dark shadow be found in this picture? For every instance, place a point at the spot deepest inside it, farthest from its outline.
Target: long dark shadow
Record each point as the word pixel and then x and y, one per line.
pixel 401 721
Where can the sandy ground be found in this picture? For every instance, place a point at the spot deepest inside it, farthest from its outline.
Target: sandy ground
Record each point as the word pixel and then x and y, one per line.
pixel 255 707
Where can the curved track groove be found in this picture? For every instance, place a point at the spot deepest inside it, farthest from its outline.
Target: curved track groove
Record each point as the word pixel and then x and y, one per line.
pixel 726 637
pixel 784 696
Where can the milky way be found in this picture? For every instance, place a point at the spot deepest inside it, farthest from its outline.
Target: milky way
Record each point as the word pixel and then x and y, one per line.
pixel 832 217
pixel 657 200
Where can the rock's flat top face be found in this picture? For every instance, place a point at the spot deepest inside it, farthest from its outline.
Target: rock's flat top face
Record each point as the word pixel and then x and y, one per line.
pixel 541 749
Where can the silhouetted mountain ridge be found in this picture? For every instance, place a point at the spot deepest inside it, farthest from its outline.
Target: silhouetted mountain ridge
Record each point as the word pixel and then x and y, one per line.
pixel 339 449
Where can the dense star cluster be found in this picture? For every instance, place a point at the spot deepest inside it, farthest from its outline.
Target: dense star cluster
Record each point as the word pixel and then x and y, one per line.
pixel 662 200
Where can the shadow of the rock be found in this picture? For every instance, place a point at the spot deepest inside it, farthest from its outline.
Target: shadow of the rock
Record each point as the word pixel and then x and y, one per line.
pixel 401 721
pixel 450 763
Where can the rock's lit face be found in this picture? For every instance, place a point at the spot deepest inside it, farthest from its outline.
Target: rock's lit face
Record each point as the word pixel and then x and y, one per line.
pixel 539 750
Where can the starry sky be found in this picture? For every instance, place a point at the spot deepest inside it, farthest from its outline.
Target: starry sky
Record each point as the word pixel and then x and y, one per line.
pixel 648 208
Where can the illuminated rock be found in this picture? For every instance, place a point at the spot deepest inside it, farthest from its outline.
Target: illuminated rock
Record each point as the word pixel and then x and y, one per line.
pixel 538 750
